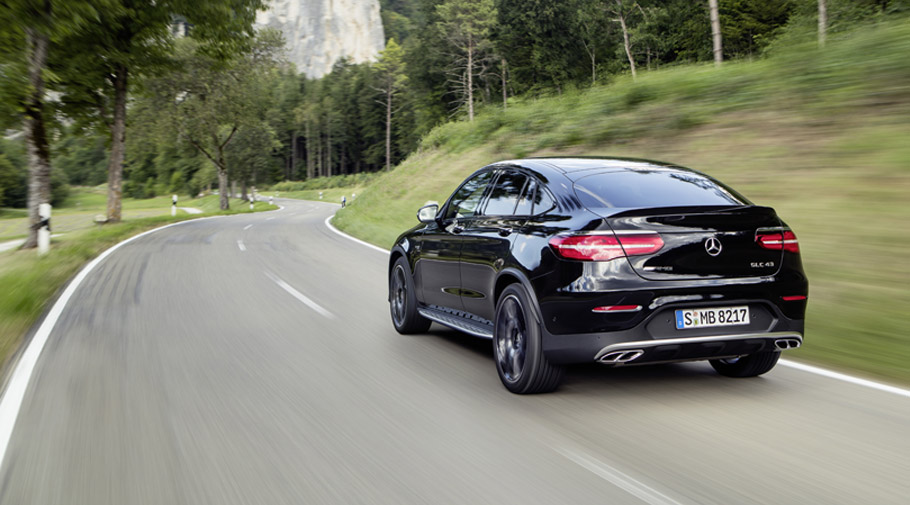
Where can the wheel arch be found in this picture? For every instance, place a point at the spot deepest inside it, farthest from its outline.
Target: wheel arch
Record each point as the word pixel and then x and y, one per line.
pixel 394 254
pixel 510 276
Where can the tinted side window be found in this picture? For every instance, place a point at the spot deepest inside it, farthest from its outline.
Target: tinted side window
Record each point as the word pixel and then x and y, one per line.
pixel 527 199
pixel 504 195
pixel 535 200
pixel 542 202
pixel 465 200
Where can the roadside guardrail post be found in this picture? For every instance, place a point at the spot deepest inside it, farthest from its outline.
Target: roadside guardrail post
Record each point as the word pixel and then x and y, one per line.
pixel 44 228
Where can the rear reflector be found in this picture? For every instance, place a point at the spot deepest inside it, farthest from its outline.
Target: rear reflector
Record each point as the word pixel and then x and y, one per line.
pixel 605 247
pixel 777 240
pixel 794 298
pixel 616 308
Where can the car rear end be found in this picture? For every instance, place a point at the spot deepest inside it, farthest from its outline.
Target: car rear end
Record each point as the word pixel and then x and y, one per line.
pixel 678 268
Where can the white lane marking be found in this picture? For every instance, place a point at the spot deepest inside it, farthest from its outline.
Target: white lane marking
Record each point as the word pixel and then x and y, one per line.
pixel 619 479
pixel 300 296
pixel 247 227
pixel 11 402
pixel 328 222
pixel 831 374
pixel 240 245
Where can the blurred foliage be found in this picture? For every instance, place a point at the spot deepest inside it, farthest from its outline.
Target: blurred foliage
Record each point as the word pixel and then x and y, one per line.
pixel 14 177
pixel 867 69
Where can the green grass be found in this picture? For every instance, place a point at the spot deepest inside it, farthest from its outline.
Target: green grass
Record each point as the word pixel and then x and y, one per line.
pixel 78 211
pixel 332 195
pixel 822 136
pixel 30 282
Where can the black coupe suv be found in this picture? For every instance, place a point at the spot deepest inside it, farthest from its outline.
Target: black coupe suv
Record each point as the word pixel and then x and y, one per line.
pixel 617 261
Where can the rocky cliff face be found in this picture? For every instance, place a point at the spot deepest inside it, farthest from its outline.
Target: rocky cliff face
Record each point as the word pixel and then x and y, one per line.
pixel 319 32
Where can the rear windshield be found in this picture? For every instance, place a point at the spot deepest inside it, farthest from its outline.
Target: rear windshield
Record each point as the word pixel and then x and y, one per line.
pixel 653 188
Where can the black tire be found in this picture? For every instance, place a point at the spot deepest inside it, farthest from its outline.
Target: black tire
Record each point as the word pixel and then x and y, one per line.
pixel 403 301
pixel 746 366
pixel 518 347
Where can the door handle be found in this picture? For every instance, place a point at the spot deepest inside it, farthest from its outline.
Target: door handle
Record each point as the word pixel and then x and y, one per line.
pixel 457 229
pixel 505 232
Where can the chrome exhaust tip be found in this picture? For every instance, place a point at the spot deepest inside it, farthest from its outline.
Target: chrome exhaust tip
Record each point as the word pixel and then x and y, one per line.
pixel 619 357
pixel 787 343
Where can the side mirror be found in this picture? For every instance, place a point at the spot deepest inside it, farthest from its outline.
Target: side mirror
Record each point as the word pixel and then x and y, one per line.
pixel 427 213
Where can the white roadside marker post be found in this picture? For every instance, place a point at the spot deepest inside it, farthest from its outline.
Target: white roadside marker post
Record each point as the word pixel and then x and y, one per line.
pixel 271 200
pixel 173 205
pixel 320 195
pixel 44 230
pixel 252 199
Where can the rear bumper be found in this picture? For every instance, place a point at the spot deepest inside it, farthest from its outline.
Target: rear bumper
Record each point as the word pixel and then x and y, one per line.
pixel 609 347
pixel 695 348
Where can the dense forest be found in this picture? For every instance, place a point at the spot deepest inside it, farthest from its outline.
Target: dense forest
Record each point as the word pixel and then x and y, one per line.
pixel 221 104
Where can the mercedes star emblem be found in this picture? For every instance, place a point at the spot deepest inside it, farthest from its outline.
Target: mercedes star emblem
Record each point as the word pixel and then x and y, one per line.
pixel 712 246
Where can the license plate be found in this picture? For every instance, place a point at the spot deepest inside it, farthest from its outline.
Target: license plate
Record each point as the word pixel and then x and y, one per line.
pixel 716 316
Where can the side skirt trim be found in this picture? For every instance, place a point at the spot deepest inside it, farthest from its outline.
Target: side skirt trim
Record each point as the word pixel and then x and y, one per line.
pixel 456 322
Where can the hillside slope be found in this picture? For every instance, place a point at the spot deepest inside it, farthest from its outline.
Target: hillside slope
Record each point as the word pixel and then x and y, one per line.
pixel 822 136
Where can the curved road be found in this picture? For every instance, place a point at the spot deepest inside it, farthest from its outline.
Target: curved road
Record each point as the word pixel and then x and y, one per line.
pixel 250 359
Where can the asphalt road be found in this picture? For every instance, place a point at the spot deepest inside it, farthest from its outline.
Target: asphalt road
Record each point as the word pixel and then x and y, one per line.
pixel 250 359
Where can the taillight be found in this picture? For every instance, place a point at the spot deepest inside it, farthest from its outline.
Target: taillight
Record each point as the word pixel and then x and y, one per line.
pixel 777 240
pixel 605 247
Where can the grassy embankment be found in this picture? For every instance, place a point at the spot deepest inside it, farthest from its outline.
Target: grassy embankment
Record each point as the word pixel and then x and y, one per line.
pixel 822 136
pixel 28 283
pixel 331 188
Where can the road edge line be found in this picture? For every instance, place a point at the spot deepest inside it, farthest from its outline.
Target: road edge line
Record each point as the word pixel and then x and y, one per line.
pixel 20 377
pixel 328 223
pixel 858 381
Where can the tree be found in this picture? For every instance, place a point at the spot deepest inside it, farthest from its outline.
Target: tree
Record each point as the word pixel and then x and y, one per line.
pixel 29 29
pixel 130 37
pixel 822 22
pixel 715 33
pixel 466 26
pixel 206 100
pixel 748 26
pixel 532 35
pixel 591 23
pixel 622 13
pixel 249 154
pixel 651 34
pixel 392 81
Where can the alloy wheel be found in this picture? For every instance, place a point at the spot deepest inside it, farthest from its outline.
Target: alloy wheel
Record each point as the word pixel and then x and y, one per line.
pixel 399 295
pixel 511 339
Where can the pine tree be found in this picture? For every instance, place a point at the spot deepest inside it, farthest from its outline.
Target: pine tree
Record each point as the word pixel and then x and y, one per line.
pixel 392 81
pixel 466 26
